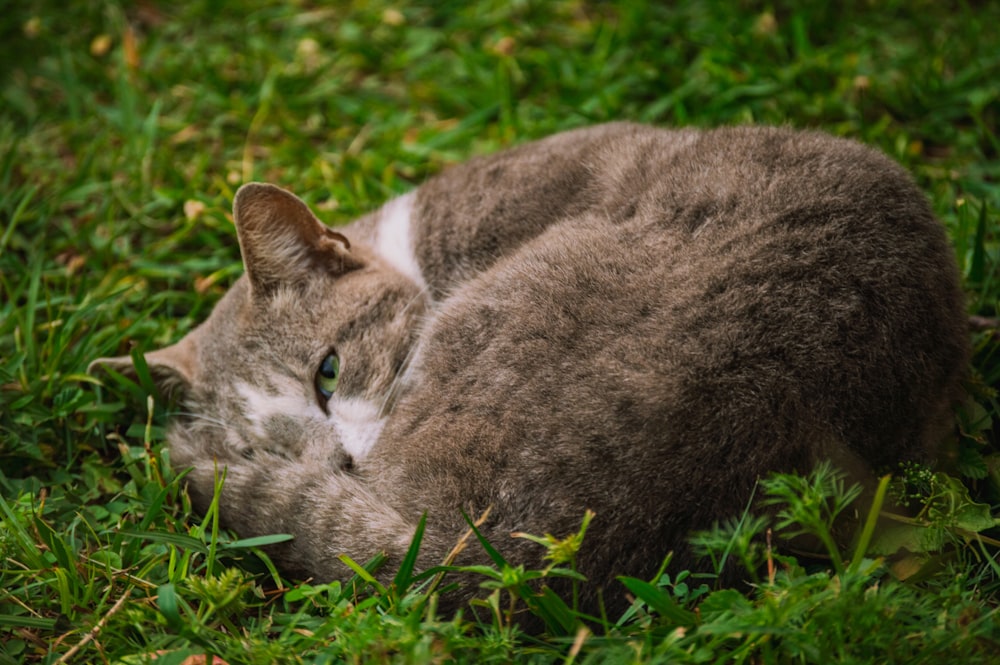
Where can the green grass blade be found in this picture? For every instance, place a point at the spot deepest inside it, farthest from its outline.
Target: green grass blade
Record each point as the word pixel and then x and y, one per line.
pixel 559 618
pixel 658 601
pixel 37 623
pixel 26 198
pixel 29 550
pixel 176 539
pixel 868 529
pixel 257 541
pixel 167 601
pixel 977 268
pixel 404 576
pixel 497 558
pixel 360 571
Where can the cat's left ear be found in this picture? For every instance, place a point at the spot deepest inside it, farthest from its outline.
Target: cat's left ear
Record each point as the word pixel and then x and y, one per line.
pixel 172 368
pixel 282 241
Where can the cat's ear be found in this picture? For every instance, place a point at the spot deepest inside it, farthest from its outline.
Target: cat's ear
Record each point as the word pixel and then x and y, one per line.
pixel 282 241
pixel 172 368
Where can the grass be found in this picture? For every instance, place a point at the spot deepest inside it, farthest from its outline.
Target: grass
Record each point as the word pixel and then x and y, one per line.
pixel 125 129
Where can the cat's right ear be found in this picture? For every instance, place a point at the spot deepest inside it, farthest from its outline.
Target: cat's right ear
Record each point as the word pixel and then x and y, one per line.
pixel 172 368
pixel 281 240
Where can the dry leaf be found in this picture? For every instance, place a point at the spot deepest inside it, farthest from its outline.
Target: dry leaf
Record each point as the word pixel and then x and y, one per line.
pixel 148 13
pixel 130 48
pixel 185 134
pixel 72 262
pixel 393 17
pixel 504 46
pixel 766 25
pixel 74 265
pixel 193 660
pixel 193 209
pixel 203 284
pixel 201 660
pixel 32 27
pixel 328 205
pixel 907 567
pixel 100 45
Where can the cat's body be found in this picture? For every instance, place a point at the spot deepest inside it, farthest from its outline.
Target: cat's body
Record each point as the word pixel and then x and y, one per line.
pixel 623 319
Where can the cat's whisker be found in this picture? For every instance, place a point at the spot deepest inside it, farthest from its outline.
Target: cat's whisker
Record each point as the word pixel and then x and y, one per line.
pixel 392 394
pixel 203 418
pixel 423 292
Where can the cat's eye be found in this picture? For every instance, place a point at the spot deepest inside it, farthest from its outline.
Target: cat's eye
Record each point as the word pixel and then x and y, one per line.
pixel 328 375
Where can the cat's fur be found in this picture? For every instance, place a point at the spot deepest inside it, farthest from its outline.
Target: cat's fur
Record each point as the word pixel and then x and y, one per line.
pixel 624 319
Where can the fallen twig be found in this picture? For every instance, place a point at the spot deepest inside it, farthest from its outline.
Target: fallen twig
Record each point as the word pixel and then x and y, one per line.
pixel 980 323
pixel 89 637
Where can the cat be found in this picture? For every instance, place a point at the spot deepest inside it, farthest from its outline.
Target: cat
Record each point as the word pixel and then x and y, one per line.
pixel 636 321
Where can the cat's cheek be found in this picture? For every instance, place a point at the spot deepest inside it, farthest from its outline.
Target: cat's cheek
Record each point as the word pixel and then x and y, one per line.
pixel 266 415
pixel 358 424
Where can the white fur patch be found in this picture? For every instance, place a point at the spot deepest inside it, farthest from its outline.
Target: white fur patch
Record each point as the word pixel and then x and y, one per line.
pixel 357 422
pixel 261 405
pixel 394 238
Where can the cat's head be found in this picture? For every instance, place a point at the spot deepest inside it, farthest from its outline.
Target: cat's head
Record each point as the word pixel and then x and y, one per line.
pixel 302 352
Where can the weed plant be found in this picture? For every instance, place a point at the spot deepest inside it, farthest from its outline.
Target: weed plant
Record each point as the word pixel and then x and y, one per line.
pixel 125 128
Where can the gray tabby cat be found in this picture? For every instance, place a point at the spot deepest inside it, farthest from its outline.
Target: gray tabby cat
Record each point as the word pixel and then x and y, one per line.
pixel 630 320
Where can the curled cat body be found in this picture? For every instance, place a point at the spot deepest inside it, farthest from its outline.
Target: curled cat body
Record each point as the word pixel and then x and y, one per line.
pixel 635 321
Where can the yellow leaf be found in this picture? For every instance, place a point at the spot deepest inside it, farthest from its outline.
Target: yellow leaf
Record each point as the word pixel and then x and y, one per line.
pixel 100 45
pixel 193 209
pixel 130 48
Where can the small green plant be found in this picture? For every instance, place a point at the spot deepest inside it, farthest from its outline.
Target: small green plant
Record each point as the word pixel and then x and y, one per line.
pixel 809 506
pixel 518 583
pixel 797 616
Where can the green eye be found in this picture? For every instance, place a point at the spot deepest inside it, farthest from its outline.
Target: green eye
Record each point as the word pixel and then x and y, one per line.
pixel 328 375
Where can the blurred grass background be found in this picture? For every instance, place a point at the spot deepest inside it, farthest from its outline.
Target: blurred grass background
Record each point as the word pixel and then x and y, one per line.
pixel 125 128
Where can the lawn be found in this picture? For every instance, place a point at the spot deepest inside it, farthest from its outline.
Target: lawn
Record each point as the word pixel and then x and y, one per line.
pixel 125 128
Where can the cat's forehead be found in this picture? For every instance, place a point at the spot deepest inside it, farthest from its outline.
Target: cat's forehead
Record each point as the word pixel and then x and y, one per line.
pixel 318 302
pixel 304 320
pixel 243 310
pixel 243 329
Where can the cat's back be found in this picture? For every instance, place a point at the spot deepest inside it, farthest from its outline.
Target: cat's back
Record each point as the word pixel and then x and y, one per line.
pixel 688 181
pixel 736 176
